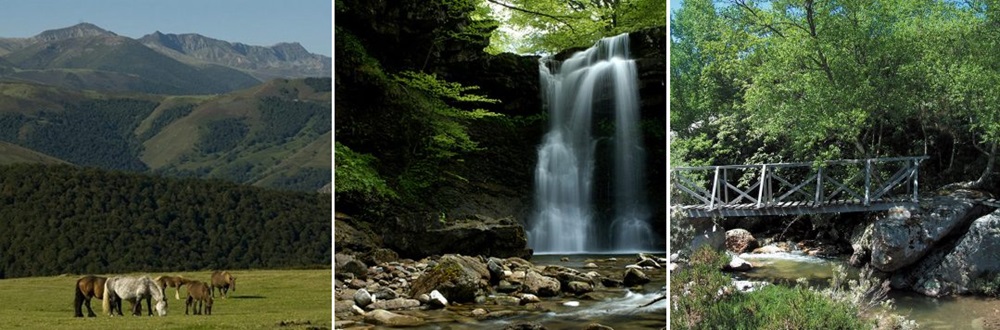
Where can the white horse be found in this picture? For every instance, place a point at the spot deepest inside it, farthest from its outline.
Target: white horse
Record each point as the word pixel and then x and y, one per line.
pixel 133 289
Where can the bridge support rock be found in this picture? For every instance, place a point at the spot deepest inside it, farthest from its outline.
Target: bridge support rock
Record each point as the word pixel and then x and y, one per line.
pixel 956 271
pixel 904 237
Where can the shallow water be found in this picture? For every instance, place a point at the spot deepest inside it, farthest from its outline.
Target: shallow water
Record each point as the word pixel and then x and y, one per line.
pixel 931 313
pixel 618 308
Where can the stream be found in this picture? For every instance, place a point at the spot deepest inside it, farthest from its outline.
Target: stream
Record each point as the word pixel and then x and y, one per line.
pixel 959 312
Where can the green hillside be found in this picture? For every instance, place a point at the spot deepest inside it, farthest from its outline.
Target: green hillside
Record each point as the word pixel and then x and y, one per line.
pixel 13 154
pixel 63 219
pixel 276 134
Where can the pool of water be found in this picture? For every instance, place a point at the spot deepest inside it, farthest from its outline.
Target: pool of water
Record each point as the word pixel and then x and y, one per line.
pixel 962 312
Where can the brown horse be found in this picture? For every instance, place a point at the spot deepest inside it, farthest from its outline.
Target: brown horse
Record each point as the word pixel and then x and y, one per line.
pixel 199 295
pixel 88 287
pixel 172 281
pixel 224 281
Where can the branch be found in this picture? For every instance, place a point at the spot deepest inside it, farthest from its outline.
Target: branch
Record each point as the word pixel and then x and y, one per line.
pixel 556 18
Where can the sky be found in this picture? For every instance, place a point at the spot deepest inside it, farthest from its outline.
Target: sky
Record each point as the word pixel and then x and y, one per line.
pixel 252 22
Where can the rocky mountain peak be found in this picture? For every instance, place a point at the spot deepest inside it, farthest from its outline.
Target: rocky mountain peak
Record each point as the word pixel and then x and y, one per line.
pixel 81 30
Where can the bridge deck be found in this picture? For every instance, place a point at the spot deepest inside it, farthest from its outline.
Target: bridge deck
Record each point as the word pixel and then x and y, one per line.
pixel 793 208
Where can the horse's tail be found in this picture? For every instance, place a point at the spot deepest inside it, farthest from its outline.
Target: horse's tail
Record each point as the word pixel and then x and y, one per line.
pixel 105 304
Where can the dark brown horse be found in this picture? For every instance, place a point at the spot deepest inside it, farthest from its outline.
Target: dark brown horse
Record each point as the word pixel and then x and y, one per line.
pixel 88 287
pixel 199 295
pixel 172 282
pixel 224 281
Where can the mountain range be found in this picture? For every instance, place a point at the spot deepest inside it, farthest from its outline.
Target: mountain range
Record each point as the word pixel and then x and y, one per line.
pixel 85 56
pixel 176 105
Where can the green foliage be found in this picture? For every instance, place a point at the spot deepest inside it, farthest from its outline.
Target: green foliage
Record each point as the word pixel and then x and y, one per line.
pixel 89 133
pixel 987 284
pixel 355 174
pixel 284 119
pixel 222 135
pixel 782 80
pixel 704 299
pixel 111 222
pixel 551 25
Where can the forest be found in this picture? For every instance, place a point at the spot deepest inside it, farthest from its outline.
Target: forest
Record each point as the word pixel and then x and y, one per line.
pixel 70 220
pixel 773 81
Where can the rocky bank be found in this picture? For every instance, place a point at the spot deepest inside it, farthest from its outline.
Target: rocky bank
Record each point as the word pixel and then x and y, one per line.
pixel 465 289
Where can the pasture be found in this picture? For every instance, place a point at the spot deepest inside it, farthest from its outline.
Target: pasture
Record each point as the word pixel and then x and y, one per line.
pixel 264 299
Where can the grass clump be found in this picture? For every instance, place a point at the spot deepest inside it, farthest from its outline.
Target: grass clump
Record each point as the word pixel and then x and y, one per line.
pixel 704 298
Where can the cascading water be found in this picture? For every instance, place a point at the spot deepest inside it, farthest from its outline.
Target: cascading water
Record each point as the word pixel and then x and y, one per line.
pixel 599 81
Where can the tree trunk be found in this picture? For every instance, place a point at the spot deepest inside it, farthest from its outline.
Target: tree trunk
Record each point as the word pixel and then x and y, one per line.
pixel 986 179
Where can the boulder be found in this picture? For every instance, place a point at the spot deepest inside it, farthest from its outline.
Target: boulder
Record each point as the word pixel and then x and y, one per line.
pixel 394 304
pixel 390 319
pixel 525 326
pixel 577 287
pixel 540 285
pixel 597 326
pixel 634 277
pixel 955 270
pixel 770 249
pixel 363 298
pixel 590 265
pixel 496 271
pixel 708 234
pixel 347 264
pixel 528 298
pixel 342 306
pixel 740 240
pixel 460 278
pixel 437 300
pixel 902 238
pixel 507 301
pixel 737 264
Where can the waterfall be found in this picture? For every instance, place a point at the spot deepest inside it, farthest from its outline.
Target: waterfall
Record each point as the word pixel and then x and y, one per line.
pixel 600 82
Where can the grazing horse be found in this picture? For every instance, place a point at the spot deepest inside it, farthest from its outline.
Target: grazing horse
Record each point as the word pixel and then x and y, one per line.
pixel 88 287
pixel 198 295
pixel 133 289
pixel 172 282
pixel 224 281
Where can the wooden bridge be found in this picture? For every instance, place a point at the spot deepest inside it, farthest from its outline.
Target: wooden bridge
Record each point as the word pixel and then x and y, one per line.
pixel 855 185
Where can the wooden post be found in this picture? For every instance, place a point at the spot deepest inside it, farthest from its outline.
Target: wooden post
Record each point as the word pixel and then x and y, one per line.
pixel 760 191
pixel 915 174
pixel 715 186
pixel 868 180
pixel 819 187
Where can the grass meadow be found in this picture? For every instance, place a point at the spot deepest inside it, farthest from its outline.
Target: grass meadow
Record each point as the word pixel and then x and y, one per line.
pixel 264 299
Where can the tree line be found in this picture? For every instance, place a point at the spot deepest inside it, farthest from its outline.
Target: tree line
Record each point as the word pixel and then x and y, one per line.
pixel 63 219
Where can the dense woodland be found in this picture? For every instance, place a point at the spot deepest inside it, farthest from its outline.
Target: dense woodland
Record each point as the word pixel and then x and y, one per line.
pixel 772 81
pixel 64 219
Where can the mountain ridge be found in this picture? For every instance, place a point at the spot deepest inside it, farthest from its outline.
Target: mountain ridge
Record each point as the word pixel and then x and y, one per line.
pixel 86 56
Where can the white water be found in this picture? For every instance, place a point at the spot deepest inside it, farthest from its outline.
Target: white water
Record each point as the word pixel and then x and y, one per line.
pixel 599 81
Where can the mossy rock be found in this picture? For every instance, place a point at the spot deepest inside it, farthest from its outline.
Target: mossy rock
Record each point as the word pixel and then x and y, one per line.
pixel 458 278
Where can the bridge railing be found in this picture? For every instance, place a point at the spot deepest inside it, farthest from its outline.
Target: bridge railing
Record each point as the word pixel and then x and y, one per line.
pixel 853 181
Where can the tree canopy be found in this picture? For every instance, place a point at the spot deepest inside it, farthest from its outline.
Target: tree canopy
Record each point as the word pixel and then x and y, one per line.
pixel 766 81
pixel 555 25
